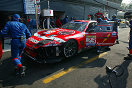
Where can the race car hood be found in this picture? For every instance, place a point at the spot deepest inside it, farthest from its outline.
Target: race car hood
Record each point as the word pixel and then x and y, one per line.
pixel 52 37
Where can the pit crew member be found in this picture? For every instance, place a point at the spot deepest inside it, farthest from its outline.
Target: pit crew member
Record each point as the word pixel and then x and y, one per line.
pixel 115 26
pixel 130 41
pixel 18 32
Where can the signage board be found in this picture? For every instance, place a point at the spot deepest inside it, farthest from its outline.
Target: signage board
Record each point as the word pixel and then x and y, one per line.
pixel 29 6
pixel 47 12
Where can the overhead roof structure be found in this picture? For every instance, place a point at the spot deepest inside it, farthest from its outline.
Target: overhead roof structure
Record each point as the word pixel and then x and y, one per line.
pixel 109 3
pixel 11 5
pixel 17 5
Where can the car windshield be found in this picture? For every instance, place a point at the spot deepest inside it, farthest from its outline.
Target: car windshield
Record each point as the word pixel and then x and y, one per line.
pixel 78 26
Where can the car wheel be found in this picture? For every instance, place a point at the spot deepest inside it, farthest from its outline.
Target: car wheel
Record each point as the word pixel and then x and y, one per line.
pixel 70 48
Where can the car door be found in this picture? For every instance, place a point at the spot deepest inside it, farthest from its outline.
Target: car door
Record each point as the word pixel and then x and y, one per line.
pixel 90 35
pixel 100 35
pixel 105 35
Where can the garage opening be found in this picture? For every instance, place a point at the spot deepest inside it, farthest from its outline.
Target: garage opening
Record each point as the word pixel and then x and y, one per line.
pixel 60 14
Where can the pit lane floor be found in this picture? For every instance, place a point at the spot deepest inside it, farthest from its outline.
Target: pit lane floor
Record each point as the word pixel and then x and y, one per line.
pixel 86 70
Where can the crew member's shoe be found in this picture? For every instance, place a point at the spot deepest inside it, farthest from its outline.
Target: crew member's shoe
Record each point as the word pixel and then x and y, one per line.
pixel 130 55
pixel 107 48
pixel 128 48
pixel 16 71
pixel 117 42
pixel 22 71
pixel 128 58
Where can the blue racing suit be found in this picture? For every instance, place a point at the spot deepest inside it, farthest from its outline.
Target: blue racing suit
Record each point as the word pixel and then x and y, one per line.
pixel 32 26
pixel 65 20
pixel 115 26
pixel 130 39
pixel 18 32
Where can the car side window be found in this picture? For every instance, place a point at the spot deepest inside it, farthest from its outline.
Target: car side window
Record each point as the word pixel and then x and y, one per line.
pixel 109 29
pixel 98 29
pixel 103 29
pixel 91 26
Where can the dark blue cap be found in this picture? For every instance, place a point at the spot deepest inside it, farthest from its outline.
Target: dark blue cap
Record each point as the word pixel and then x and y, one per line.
pixel 17 16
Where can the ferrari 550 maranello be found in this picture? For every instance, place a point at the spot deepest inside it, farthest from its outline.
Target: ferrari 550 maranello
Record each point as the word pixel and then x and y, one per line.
pixel 49 46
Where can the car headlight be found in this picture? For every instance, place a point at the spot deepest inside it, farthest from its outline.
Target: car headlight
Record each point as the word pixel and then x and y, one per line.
pixel 43 42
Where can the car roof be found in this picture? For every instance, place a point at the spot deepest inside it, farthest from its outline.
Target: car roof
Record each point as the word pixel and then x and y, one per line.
pixel 104 25
pixel 88 21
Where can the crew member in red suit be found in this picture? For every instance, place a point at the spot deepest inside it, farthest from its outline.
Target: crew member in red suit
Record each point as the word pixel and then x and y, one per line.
pixel 58 22
pixel 89 17
pixel 99 15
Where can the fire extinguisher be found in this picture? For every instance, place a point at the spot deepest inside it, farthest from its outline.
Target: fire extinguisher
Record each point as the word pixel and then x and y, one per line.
pixel 1 52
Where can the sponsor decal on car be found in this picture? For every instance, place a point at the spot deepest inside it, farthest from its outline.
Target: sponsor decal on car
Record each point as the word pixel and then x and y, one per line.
pixel 46 33
pixel 50 31
pixel 113 34
pixel 48 37
pixel 53 38
pixel 51 35
pixel 76 36
pixel 90 40
pixel 66 32
pixel 105 44
pixel 57 39
pixel 50 44
pixel 106 38
pixel 33 40
pixel 37 35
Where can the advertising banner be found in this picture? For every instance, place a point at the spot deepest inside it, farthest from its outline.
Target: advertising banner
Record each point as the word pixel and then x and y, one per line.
pixel 29 6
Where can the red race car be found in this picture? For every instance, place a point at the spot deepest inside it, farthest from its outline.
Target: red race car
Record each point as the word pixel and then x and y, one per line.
pixel 49 46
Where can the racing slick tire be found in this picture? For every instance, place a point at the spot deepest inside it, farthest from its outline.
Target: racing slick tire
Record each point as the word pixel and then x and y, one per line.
pixel 70 48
